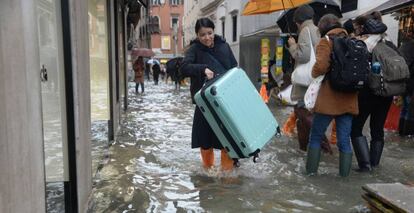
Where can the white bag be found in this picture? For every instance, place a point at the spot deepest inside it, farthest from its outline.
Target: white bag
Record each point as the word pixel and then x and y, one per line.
pixel 302 74
pixel 312 92
pixel 284 96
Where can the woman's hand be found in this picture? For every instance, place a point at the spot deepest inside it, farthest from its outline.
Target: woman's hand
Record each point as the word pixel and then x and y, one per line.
pixel 291 41
pixel 209 73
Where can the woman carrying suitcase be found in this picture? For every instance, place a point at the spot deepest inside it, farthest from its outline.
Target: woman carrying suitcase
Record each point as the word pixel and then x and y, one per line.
pixel 209 55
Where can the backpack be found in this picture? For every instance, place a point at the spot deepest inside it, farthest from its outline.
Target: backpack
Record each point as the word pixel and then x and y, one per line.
pixel 349 64
pixel 392 80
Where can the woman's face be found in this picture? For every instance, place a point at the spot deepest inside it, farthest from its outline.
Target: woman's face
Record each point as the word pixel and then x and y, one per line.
pixel 206 36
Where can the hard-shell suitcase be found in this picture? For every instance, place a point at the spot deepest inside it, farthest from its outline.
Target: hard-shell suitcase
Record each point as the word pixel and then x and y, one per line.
pixel 237 114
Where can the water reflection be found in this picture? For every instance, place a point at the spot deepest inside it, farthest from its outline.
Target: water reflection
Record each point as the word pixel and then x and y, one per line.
pixel 151 168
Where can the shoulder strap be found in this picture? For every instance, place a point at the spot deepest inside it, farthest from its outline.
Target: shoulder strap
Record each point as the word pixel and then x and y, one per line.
pixel 216 61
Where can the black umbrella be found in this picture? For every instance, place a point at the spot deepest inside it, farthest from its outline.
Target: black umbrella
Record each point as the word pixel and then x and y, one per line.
pixel 172 66
pixel 321 8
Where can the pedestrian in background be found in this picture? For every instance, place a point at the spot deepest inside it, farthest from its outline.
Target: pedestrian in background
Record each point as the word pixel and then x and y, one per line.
pixel 330 104
pixel 208 56
pixel 371 30
pixel 156 70
pixel 139 73
pixel 406 124
pixel 300 51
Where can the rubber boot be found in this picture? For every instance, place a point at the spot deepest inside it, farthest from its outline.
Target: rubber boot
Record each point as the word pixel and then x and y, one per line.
pixel 376 152
pixel 207 156
pixel 312 160
pixel 361 150
pixel 333 133
pixel 290 124
pixel 345 162
pixel 226 162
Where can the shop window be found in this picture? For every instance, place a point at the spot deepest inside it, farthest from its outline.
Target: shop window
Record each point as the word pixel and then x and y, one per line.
pixel 234 18
pixel 349 5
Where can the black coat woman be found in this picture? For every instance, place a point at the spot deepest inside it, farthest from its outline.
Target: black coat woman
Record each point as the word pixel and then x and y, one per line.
pixel 208 56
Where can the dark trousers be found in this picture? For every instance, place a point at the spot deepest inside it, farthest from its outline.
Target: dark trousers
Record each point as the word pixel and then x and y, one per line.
pixel 156 77
pixel 375 106
pixel 137 85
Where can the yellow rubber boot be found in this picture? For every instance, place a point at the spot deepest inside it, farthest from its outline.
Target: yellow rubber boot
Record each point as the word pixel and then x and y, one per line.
pixel 226 161
pixel 207 156
pixel 290 124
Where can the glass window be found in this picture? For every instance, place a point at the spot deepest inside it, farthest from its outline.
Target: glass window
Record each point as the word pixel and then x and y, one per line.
pixel 223 27
pixel 165 42
pixel 174 20
pixel 234 28
pixel 174 2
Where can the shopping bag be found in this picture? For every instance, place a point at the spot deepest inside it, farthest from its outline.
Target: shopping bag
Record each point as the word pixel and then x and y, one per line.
pixel 312 92
pixel 393 118
pixel 302 74
pixel 284 96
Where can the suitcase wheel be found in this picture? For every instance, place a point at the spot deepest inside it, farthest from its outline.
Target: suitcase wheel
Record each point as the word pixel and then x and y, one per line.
pixel 213 90
pixel 278 132
pixel 256 158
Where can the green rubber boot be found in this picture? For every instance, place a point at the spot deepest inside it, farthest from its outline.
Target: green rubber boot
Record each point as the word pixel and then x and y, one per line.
pixel 345 162
pixel 312 160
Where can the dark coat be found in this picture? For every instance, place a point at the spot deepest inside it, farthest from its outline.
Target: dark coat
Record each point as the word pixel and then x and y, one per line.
pixel 406 50
pixel 219 59
pixel 199 57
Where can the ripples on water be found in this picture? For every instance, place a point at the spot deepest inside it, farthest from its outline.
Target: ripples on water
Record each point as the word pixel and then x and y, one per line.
pixel 152 168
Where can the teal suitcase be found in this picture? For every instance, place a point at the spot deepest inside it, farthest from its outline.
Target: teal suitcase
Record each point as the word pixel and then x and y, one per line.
pixel 237 114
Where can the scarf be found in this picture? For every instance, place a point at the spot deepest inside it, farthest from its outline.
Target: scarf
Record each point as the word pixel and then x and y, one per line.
pixel 373 40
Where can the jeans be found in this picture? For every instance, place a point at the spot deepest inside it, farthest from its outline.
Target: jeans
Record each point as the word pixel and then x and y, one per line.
pixel 377 108
pixel 343 130
pixel 136 87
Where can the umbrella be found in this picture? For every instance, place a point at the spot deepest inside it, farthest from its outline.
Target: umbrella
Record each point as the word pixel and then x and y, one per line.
pixel 153 61
pixel 172 67
pixel 144 52
pixel 321 8
pixel 254 7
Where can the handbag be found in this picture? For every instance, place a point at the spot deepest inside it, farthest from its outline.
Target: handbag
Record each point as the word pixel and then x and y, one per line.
pixel 312 92
pixel 302 74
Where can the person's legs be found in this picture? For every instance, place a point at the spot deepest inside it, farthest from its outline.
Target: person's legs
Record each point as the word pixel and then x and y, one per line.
pixel 136 87
pixel 207 157
pixel 377 121
pixel 344 123
pixel 142 86
pixel 226 161
pixel 319 125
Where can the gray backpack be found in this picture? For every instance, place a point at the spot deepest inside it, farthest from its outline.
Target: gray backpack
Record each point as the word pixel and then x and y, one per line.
pixel 392 79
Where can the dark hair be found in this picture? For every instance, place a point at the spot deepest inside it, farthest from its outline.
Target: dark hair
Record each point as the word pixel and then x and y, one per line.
pixel 362 19
pixel 349 27
pixel 303 13
pixel 203 22
pixel 328 22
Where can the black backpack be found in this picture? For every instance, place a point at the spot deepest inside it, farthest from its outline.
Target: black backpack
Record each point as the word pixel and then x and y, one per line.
pixel 349 64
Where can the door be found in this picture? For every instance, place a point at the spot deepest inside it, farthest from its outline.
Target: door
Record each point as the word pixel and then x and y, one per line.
pixel 49 22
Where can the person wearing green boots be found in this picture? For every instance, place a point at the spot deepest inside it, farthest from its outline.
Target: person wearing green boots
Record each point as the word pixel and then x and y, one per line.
pixel 330 104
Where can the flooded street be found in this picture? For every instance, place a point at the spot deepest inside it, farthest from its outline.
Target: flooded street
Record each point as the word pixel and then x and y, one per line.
pixel 151 167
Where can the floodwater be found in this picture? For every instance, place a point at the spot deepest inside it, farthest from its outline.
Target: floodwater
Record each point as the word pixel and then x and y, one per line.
pixel 151 167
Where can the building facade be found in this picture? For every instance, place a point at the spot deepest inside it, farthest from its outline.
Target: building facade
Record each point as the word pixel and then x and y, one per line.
pixel 56 58
pixel 165 27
